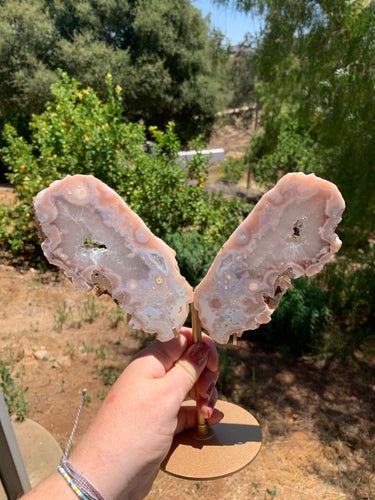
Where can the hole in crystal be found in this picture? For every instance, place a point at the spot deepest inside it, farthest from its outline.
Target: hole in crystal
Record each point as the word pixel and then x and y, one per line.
pixel 297 228
pixel 92 244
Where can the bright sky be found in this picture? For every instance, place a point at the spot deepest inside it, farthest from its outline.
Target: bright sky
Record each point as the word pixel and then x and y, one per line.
pixel 230 21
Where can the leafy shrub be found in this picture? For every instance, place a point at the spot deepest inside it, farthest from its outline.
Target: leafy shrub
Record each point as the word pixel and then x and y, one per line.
pixel 14 398
pixel 192 254
pixel 349 280
pixel 295 151
pixel 300 321
pixel 20 122
pixel 351 284
pixel 231 170
pixel 78 133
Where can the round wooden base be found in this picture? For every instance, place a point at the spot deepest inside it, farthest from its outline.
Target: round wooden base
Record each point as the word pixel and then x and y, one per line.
pixel 234 443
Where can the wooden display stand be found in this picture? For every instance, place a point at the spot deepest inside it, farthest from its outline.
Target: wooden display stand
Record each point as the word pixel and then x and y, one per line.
pixel 218 451
pixel 232 445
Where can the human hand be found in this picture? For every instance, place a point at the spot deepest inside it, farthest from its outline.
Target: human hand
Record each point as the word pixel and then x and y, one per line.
pixel 132 433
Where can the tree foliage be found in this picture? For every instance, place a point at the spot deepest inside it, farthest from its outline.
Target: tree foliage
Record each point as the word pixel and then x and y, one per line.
pixel 315 65
pixel 298 324
pixel 161 53
pixel 242 79
pixel 80 133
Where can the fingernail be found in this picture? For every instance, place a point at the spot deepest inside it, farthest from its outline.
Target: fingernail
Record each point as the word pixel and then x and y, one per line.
pixel 199 353
pixel 211 387
pixel 211 404
pixel 212 401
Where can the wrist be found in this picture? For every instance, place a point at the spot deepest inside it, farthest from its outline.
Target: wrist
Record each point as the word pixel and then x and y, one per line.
pixel 81 486
pixel 112 471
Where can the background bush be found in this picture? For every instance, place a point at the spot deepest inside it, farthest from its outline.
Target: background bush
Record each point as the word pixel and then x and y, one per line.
pixel 80 134
pixel 299 323
pixel 231 170
pixel 350 280
pixel 14 398
pixel 163 53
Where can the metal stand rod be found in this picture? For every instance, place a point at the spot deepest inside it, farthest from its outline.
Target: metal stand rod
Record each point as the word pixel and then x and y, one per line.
pixel 13 474
pixel 202 430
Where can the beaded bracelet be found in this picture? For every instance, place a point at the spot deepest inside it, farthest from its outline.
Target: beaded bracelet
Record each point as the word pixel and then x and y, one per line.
pixel 79 484
pixel 74 487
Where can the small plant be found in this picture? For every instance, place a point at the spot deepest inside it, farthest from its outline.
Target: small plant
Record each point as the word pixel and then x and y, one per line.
pixel 87 399
pixel 76 321
pixel 60 318
pixel 102 393
pixel 108 375
pixel 87 348
pixel 62 384
pixel 87 314
pixel 231 170
pixel 90 309
pixel 114 316
pixel 69 349
pixel 272 492
pixel 100 352
pixel 14 398
pixel 255 488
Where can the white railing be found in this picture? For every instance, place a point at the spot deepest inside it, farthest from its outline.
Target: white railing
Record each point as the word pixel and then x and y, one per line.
pixel 215 155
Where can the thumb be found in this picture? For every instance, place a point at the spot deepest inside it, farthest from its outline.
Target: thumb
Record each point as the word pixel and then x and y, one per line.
pixel 186 371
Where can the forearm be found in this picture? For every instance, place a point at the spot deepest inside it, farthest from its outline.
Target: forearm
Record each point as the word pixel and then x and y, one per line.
pixel 112 462
pixel 55 486
pixel 121 452
pixel 132 485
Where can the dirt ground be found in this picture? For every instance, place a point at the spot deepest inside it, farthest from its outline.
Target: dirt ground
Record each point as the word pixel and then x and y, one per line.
pixel 317 422
pixel 231 135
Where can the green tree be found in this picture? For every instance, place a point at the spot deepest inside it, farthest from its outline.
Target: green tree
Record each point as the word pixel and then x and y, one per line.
pixel 242 79
pixel 315 65
pixel 27 44
pixel 161 53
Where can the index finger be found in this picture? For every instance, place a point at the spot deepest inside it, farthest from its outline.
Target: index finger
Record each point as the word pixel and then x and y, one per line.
pixel 213 358
pixel 159 357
